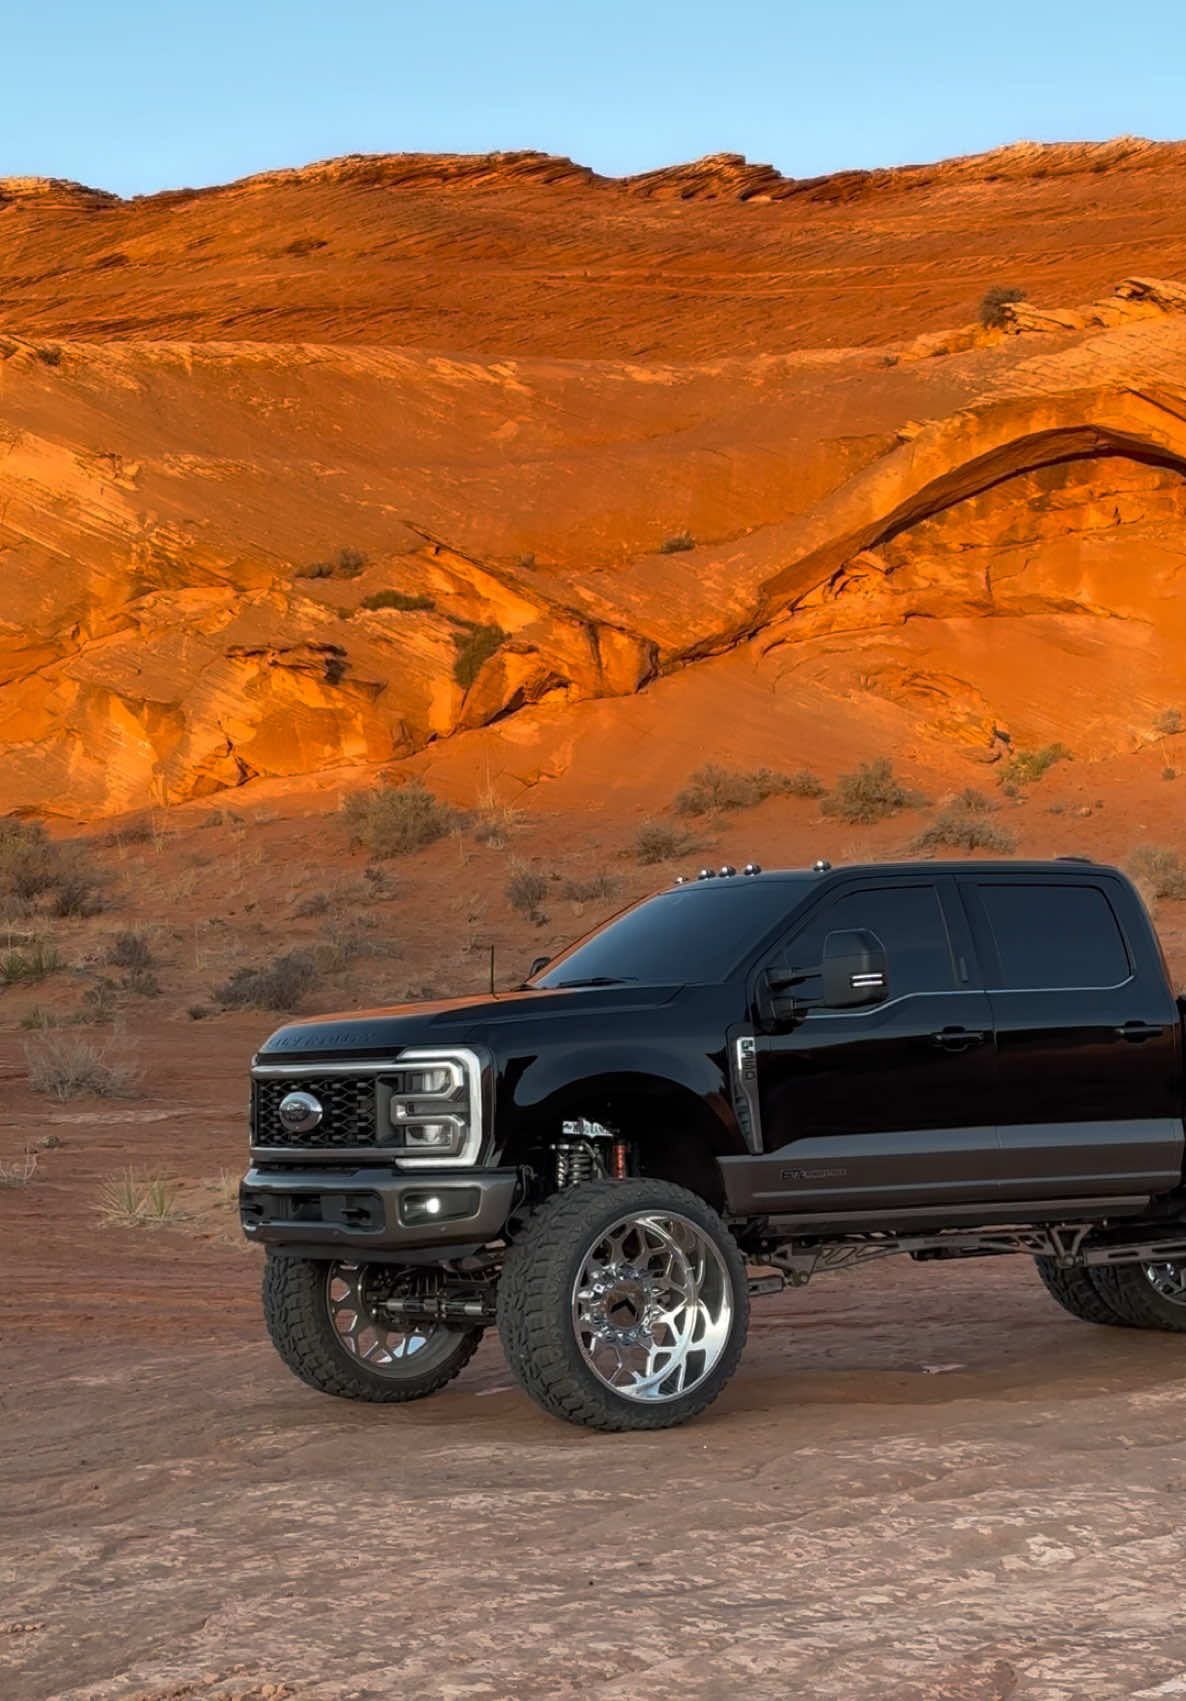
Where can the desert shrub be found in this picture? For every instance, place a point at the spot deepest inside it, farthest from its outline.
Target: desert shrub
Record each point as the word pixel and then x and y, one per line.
pixel 77 895
pixel 304 245
pixel 317 903
pixel 994 302
pixel 142 982
pixel 135 1200
pixel 475 644
pixel 964 824
pixel 279 985
pixel 395 820
pixel 603 885
pixel 678 544
pixel 64 1066
pixel 98 1003
pixel 40 1016
pixel 130 950
pixel 1169 773
pixel 342 564
pixel 655 842
pixel 715 790
pixel 526 891
pixel 871 793
pixel 495 821
pixel 1158 870
pixel 1026 767
pixel 33 866
pixel 32 963
pixel 1168 722
pixel 397 599
pixel 197 1012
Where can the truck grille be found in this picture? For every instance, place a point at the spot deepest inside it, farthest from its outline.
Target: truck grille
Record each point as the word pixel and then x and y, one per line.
pixel 348 1103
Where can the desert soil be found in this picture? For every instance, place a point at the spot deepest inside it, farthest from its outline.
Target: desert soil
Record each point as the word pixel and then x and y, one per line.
pixel 923 1482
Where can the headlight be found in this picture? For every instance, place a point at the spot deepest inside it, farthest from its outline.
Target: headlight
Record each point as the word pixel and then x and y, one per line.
pixel 430 1108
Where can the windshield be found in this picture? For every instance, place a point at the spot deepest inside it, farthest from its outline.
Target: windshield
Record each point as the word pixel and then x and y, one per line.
pixel 697 933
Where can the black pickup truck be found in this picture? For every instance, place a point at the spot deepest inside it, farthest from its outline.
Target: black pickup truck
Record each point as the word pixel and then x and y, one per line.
pixel 735 1085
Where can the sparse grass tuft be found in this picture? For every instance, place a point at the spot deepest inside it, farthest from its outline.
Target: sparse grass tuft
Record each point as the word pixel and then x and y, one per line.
pixel 963 824
pixel 1026 767
pixel 397 599
pixel 678 544
pixel 714 790
pixel 33 963
pixel 342 564
pixel 475 644
pixel 871 793
pixel 495 822
pixel 1158 870
pixel 135 1200
pixel 395 820
pixel 655 842
pixel 20 1172
pixel 63 1066
pixel 280 985
pixel 995 300
pixel 526 891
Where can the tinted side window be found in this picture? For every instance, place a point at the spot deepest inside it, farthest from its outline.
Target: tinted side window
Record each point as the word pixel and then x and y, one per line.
pixel 907 919
pixel 1055 935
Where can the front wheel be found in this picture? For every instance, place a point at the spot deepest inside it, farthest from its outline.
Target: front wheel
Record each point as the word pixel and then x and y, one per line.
pixel 329 1324
pixel 623 1305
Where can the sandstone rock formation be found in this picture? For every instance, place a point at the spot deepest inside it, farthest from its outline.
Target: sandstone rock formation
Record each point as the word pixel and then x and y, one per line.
pixel 230 560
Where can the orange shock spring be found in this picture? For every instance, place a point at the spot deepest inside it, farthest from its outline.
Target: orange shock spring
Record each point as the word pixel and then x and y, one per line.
pixel 618 1157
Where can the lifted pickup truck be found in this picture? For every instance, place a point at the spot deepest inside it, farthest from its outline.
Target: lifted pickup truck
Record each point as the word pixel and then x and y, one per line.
pixel 738 1084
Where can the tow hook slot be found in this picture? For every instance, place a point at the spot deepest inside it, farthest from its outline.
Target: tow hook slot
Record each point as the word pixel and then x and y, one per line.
pixel 773 1283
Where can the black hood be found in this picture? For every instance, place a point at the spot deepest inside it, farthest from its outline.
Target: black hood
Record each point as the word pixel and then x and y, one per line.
pixel 364 1033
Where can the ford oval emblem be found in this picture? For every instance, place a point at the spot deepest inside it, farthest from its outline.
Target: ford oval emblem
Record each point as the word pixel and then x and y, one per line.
pixel 299 1112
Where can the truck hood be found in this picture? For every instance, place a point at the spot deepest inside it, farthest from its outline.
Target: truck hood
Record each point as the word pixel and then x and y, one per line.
pixel 383 1032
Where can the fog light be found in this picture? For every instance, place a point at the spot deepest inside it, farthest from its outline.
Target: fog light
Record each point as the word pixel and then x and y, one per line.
pixel 441 1206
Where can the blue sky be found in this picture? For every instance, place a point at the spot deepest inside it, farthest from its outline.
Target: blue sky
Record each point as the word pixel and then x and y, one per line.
pixel 137 95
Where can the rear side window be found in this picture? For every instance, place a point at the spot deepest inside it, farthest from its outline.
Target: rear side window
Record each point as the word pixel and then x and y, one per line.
pixel 907 919
pixel 1054 936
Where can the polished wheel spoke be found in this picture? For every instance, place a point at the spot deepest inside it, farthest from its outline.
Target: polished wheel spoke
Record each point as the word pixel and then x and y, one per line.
pixel 1168 1280
pixel 356 1295
pixel 652 1307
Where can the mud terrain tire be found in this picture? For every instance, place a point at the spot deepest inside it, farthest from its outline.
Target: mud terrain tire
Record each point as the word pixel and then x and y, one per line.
pixel 299 1315
pixel 1079 1291
pixel 602 1262
pixel 1132 1291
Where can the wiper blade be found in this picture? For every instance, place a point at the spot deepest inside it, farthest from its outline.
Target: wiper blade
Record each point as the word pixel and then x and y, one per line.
pixel 599 980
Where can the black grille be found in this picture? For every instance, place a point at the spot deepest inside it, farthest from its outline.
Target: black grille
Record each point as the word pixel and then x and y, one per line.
pixel 347 1100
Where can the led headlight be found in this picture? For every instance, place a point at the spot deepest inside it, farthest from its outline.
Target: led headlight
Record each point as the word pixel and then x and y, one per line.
pixel 430 1108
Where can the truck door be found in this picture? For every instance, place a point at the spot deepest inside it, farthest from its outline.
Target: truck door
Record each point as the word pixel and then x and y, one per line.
pixel 887 1105
pixel 1089 1094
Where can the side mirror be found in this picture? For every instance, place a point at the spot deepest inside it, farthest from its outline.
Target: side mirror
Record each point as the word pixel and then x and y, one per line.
pixel 855 969
pixel 538 967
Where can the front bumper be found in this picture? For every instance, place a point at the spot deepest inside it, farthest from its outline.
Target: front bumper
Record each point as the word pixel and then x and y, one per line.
pixel 370 1211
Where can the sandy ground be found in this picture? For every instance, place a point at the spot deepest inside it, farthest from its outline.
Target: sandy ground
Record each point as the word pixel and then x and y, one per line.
pixel 923 1482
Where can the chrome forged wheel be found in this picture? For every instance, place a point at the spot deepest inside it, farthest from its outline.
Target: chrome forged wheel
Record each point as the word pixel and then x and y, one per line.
pixel 1168 1281
pixel 623 1305
pixel 652 1307
pixel 329 1323
pixel 355 1295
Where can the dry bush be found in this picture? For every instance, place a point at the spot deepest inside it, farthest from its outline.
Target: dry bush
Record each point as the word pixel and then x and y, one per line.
pixel 603 885
pixel 64 1066
pixel 395 820
pixel 129 950
pixel 342 564
pixel 655 842
pixel 279 985
pixel 32 963
pixel 475 644
pixel 1026 767
pixel 1169 721
pixel 35 867
pixel 1158 870
pixel 714 790
pixel 994 302
pixel 397 599
pixel 135 1200
pixel 871 793
pixel 526 891
pixel 963 824
pixel 678 544
pixel 20 1172
pixel 317 903
pixel 495 821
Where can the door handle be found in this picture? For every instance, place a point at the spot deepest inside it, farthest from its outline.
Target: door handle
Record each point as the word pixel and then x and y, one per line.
pixel 1135 1032
pixel 957 1039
